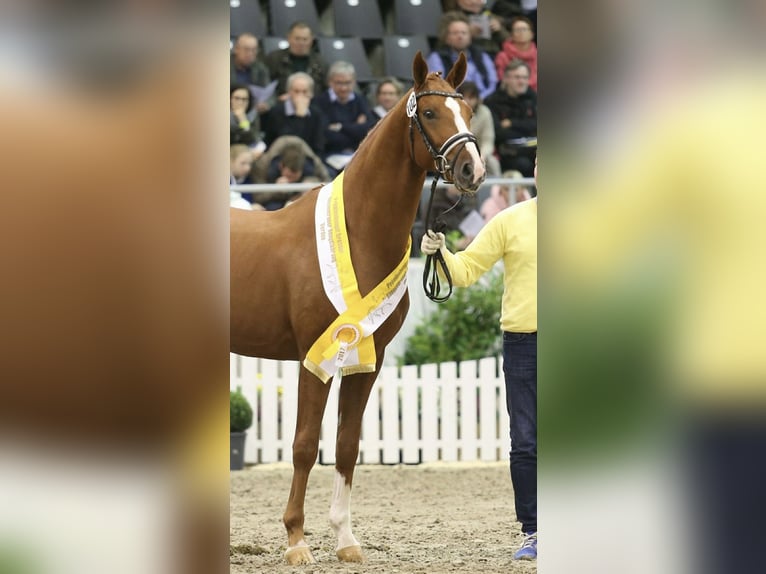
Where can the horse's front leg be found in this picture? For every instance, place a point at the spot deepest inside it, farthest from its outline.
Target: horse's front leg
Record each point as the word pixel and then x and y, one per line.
pixel 354 392
pixel 312 398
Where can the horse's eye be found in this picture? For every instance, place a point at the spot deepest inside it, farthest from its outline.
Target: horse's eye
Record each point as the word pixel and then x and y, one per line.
pixel 429 115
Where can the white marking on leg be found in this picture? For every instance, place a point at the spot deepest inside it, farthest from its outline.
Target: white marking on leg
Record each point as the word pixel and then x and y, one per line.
pixel 340 512
pixel 299 544
pixel 478 164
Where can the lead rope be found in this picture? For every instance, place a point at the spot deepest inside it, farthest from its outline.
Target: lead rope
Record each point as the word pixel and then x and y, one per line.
pixel 431 280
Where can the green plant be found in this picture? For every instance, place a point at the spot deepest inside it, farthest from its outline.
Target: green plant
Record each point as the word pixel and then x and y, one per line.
pixel 240 412
pixel 452 238
pixel 465 327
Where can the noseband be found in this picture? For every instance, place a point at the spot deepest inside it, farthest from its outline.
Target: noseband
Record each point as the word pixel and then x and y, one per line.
pixel 440 157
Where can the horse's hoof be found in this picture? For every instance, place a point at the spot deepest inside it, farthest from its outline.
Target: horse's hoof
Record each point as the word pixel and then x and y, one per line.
pixel 350 554
pixel 299 555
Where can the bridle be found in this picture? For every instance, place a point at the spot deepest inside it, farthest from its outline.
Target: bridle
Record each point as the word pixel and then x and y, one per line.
pixel 443 166
pixel 432 284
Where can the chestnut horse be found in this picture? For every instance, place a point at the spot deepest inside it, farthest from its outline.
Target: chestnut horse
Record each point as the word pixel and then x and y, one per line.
pixel 278 303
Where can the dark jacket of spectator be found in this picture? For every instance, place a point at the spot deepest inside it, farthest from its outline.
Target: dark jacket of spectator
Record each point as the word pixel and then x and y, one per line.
pixel 351 133
pixel 257 74
pixel 481 67
pixel 282 121
pixel 507 9
pixel 281 63
pixel 521 110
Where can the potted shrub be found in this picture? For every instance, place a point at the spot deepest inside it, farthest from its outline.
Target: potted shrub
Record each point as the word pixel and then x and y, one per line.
pixel 240 419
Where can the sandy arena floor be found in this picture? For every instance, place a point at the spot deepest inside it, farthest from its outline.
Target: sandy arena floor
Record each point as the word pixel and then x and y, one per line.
pixel 428 518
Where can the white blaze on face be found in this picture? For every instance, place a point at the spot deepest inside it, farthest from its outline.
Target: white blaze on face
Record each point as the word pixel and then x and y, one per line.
pixel 478 164
pixel 340 512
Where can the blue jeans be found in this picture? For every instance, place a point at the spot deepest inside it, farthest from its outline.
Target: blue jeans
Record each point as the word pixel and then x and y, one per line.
pixel 726 472
pixel 520 369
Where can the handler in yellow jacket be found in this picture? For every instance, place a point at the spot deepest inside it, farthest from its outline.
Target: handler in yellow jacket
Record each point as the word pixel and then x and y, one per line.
pixel 511 236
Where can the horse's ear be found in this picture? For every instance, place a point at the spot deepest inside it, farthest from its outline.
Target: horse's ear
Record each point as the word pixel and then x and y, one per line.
pixel 419 70
pixel 457 73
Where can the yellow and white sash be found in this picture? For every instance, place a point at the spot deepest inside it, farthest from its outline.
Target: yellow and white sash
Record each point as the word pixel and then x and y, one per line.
pixel 347 345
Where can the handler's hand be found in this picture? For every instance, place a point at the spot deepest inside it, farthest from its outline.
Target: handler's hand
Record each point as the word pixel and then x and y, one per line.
pixel 432 242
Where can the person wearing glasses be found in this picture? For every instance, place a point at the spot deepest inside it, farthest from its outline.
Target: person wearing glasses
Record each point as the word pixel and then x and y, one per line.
pixel 348 115
pixel 245 125
pixel 514 112
pixel 387 95
pixel 246 69
pixel 520 46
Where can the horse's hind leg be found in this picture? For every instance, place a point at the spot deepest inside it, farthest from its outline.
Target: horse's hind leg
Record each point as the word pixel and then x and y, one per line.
pixel 312 398
pixel 354 392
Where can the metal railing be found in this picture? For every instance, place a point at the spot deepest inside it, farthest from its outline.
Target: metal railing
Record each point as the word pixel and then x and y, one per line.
pixel 272 187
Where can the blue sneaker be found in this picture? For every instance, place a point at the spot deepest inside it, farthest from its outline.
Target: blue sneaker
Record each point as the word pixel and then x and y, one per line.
pixel 528 550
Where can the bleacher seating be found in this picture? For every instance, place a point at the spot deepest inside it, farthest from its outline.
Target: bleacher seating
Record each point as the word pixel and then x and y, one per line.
pixel 417 17
pixel 284 12
pixel 398 53
pixel 246 16
pixel 358 18
pixel 379 38
pixel 272 43
pixel 348 49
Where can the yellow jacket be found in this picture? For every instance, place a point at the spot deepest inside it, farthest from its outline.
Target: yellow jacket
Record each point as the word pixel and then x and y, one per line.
pixel 511 236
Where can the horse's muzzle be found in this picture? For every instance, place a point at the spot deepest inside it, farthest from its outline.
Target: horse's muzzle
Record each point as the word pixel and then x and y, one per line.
pixel 468 175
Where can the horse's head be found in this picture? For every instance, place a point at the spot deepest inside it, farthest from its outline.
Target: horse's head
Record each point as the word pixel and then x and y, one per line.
pixel 442 118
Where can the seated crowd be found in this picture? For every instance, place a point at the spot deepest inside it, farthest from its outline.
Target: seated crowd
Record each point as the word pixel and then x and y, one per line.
pixel 297 118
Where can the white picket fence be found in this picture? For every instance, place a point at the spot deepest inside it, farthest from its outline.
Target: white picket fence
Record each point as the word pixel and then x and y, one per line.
pixel 414 414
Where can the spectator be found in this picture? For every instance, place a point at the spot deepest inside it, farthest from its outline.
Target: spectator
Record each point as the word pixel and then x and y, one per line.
pixel 241 158
pixel 246 69
pixel 297 115
pixel 504 195
pixel 245 127
pixel 514 110
pixel 455 37
pixel 290 166
pixel 297 57
pixel 520 46
pixel 240 163
pixel 267 169
pixel 507 10
pixel 260 171
pixel 487 30
pixel 482 126
pixel 519 192
pixel 451 207
pixel 387 95
pixel 236 200
pixel 348 115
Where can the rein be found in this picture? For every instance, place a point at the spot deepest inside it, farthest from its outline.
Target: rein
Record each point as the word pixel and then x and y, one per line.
pixel 431 281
